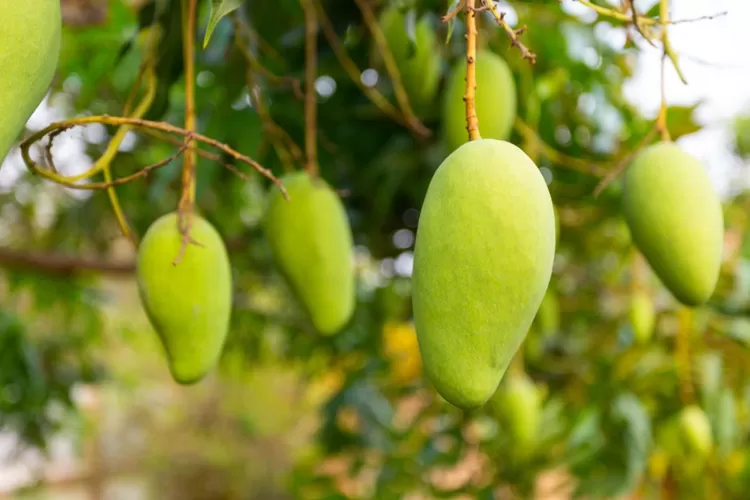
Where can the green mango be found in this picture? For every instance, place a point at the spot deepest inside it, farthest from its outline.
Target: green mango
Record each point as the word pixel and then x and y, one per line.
pixel 675 219
pixel 483 260
pixel 642 316
pixel 418 60
pixel 189 304
pixel 495 100
pixel 695 430
pixel 312 243
pixel 517 404
pixel 30 34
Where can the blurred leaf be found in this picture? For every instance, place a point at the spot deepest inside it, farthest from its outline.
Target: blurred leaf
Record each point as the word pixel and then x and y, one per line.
pixel 219 9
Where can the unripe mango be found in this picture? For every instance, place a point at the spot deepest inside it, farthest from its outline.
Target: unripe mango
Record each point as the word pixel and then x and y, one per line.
pixel 675 219
pixel 695 430
pixel 311 241
pixel 517 404
pixel 30 32
pixel 495 100
pixel 418 61
pixel 642 316
pixel 483 260
pixel 189 303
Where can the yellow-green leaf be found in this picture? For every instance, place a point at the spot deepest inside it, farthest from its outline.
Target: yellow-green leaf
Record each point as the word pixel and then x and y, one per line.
pixel 219 9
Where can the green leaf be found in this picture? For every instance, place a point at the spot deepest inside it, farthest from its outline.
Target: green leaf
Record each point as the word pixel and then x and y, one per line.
pixel 681 120
pixel 219 9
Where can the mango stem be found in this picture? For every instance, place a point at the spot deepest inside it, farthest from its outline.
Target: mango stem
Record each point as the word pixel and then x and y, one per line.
pixel 472 122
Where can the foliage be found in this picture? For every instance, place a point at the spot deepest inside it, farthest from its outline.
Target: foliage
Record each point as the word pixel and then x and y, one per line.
pixel 610 403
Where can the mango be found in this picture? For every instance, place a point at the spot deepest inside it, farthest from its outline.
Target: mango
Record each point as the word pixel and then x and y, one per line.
pixel 517 404
pixel 30 34
pixel 311 242
pixel 418 60
pixel 483 260
pixel 675 220
pixel 188 303
pixel 495 102
pixel 642 316
pixel 695 430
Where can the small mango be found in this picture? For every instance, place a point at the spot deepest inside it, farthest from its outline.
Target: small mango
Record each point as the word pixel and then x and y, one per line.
pixel 30 35
pixel 676 220
pixel 517 404
pixel 483 260
pixel 418 61
pixel 312 244
pixel 495 100
pixel 642 316
pixel 695 430
pixel 188 303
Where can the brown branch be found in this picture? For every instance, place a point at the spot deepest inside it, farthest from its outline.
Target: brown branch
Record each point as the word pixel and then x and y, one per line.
pixel 450 15
pixel 283 144
pixel 138 123
pixel 243 29
pixel 555 156
pixel 512 34
pixel 622 164
pixel 61 265
pixel 311 103
pixel 388 60
pixel 472 122
pixel 354 73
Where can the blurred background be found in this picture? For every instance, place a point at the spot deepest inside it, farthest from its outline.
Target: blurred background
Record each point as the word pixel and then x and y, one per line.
pixel 88 408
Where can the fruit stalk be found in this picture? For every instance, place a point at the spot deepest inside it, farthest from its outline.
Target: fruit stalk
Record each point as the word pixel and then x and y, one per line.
pixel 661 119
pixel 472 122
pixel 682 354
pixel 189 8
pixel 311 70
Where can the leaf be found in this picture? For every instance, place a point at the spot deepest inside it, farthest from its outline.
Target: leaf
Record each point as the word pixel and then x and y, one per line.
pixel 453 5
pixel 681 120
pixel 630 410
pixel 410 25
pixel 219 9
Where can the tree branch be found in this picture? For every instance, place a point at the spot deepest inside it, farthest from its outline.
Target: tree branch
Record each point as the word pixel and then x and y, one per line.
pixel 61 265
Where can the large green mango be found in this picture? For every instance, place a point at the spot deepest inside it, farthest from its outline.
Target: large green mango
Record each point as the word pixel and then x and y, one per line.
pixel 311 241
pixel 483 260
pixel 418 62
pixel 675 219
pixel 495 100
pixel 30 32
pixel 189 303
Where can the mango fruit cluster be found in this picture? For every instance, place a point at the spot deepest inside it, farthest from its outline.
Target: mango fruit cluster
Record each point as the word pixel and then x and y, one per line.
pixel 186 289
pixel 30 34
